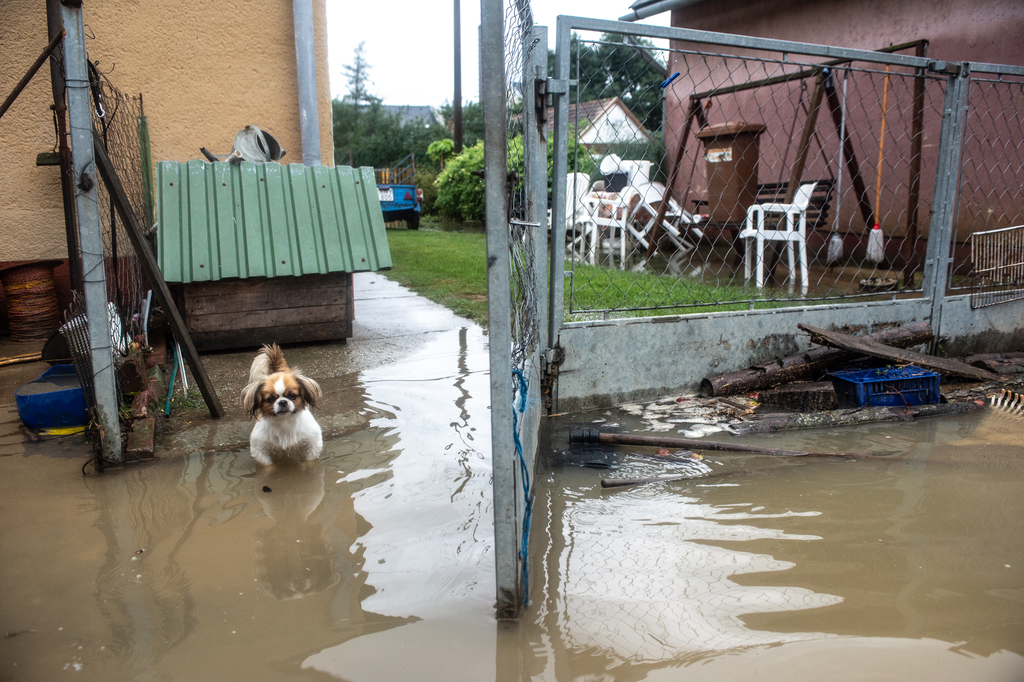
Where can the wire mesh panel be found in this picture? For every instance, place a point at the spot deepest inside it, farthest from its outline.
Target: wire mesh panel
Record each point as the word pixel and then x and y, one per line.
pixel 118 118
pixel 722 178
pixel 119 124
pixel 991 198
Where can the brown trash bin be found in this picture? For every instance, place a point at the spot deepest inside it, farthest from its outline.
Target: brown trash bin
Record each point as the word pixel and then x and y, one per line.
pixel 730 155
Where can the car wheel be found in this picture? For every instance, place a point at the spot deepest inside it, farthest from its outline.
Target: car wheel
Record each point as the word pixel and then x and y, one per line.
pixel 413 221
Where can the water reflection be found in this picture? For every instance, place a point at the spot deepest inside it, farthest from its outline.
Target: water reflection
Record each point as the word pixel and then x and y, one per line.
pixel 293 558
pixel 813 556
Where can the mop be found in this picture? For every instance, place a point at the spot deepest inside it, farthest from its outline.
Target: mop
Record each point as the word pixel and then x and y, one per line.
pixel 834 255
pixel 876 245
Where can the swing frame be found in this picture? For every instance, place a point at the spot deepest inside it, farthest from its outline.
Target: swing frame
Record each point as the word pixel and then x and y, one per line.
pixel 824 89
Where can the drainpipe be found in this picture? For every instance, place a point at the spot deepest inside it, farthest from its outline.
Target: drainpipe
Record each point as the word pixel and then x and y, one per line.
pixel 305 60
pixel 642 10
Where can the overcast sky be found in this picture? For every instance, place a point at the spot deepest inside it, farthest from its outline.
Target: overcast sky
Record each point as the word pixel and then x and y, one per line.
pixel 409 44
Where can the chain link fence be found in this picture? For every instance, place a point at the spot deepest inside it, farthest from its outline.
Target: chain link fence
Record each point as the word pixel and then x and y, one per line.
pixel 788 180
pixel 120 126
pixel 987 256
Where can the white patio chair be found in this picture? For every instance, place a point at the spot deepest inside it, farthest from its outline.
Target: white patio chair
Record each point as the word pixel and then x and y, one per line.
pixel 755 235
pixel 580 209
pixel 679 225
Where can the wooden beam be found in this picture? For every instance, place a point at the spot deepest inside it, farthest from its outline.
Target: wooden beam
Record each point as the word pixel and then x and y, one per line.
pixel 914 195
pixel 156 278
pixel 805 139
pixel 692 112
pixel 878 350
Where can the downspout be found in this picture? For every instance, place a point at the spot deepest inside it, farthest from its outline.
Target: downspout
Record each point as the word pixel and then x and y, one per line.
pixel 649 9
pixel 305 60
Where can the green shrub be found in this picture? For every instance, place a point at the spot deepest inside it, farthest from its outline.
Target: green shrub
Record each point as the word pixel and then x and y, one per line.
pixel 460 195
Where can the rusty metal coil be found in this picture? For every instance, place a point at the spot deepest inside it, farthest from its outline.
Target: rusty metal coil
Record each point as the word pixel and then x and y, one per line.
pixel 31 300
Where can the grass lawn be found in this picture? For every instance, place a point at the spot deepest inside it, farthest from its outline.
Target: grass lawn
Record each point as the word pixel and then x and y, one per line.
pixel 449 268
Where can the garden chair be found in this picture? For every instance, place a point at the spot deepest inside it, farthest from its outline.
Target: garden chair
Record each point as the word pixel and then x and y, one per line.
pixel 792 228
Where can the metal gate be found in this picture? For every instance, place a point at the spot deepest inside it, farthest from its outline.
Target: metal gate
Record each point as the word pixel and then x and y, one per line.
pixel 516 195
pixel 726 187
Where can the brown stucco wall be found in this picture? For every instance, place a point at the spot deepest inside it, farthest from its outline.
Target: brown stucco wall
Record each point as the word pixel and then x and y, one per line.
pixel 981 31
pixel 205 69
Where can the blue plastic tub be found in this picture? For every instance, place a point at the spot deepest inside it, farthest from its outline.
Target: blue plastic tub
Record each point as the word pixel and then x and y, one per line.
pixel 886 386
pixel 53 400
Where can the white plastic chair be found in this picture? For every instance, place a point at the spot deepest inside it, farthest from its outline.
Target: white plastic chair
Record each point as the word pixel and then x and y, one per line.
pixel 580 209
pixel 755 235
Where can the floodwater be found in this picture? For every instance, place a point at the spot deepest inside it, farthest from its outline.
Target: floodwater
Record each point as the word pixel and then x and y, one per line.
pixel 377 561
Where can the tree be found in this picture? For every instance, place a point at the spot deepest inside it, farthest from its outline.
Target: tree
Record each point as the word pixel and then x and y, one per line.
pixel 366 134
pixel 472 122
pixel 358 77
pixel 610 67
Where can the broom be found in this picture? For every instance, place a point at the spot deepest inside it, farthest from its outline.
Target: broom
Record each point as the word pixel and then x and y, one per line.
pixel 876 244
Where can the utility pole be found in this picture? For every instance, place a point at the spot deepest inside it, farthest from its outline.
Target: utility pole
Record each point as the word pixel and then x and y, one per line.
pixel 457 104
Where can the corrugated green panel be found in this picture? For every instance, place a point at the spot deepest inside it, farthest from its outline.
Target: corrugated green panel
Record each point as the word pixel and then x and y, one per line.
pixel 219 220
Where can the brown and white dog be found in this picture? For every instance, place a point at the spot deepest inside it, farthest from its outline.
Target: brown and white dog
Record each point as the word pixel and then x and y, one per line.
pixel 280 399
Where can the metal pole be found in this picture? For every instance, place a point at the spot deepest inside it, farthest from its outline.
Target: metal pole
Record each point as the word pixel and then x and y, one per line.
pixel 940 232
pixel 457 98
pixel 535 139
pixel 305 61
pixel 94 283
pixel 559 89
pixel 503 462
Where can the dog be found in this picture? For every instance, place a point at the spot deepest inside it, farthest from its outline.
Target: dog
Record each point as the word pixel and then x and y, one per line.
pixel 280 399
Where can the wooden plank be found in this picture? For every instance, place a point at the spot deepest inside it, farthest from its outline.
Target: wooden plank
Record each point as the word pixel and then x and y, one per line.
pixel 156 278
pixel 266 318
pixel 254 338
pixel 255 302
pixel 307 285
pixel 878 350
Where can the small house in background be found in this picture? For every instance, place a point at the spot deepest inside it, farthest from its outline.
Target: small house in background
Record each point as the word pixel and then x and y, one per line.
pixel 603 125
pixel 420 115
pixel 263 252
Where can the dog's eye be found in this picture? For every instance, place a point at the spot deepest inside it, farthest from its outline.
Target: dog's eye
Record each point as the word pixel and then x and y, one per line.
pixel 292 396
pixel 271 398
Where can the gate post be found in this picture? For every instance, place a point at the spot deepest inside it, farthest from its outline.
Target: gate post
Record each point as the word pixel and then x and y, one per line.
pixel 492 95
pixel 938 254
pixel 558 88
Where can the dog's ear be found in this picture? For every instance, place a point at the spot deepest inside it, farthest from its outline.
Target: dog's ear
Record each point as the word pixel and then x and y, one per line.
pixel 311 392
pixel 251 397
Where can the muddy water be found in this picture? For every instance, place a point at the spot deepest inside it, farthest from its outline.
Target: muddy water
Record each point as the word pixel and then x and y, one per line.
pixel 376 563
pixel 908 567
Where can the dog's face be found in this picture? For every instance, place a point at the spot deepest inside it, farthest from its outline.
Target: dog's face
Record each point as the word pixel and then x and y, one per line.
pixel 282 393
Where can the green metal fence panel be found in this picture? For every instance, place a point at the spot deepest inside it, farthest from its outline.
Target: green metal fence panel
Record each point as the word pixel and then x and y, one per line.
pixel 224 220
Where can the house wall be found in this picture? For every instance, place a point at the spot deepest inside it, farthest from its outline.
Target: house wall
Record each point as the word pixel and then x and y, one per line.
pixel 985 31
pixel 205 69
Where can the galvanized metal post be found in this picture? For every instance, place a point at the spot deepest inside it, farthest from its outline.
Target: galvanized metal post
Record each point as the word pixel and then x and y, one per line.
pixel 503 462
pixel 305 61
pixel 76 77
pixel 558 87
pixel 535 70
pixel 947 186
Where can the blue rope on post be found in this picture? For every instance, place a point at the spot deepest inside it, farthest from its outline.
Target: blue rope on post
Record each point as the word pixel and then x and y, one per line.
pixel 523 547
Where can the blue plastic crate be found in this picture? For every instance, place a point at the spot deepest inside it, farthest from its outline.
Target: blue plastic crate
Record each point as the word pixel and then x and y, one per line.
pixel 53 400
pixel 888 386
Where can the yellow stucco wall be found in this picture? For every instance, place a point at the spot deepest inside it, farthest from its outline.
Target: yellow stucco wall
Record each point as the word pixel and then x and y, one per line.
pixel 205 70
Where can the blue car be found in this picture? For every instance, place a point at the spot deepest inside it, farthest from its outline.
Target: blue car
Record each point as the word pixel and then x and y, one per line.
pixel 401 202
